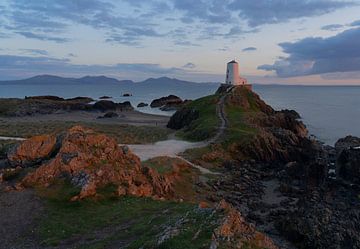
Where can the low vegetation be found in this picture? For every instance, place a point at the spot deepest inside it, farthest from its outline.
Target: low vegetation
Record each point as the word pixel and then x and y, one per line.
pixel 126 134
pixel 125 222
pixel 206 125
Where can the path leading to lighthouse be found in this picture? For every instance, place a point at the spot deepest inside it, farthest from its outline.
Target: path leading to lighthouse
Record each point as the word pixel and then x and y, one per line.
pixel 173 147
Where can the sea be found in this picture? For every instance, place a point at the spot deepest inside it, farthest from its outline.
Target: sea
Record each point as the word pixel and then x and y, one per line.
pixel 329 112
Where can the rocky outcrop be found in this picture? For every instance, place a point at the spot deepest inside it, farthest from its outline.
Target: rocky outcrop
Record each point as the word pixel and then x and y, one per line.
pixel 33 151
pixel 45 97
pixel 278 136
pixel 347 142
pixel 235 232
pixel 142 104
pixel 324 219
pixel 182 118
pixel 53 104
pixel 107 105
pixel 168 101
pixel 89 161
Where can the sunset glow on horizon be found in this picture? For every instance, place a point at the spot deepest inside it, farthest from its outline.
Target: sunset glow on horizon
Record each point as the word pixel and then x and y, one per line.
pixel 275 42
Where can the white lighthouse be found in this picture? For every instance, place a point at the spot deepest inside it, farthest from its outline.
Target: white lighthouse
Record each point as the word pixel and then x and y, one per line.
pixel 233 75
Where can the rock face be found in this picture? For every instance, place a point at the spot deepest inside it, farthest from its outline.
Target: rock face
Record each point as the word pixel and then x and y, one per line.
pixel 90 161
pixel 348 160
pixel 237 233
pixel 33 151
pixel 53 104
pixel 182 118
pixel 142 104
pixel 168 101
pixel 347 143
pixel 107 105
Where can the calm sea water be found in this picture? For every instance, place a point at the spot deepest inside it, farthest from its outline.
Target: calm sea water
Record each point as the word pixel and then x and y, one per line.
pixel 330 112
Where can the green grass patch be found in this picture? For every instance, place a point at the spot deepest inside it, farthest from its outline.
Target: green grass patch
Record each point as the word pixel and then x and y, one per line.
pixel 206 125
pixel 238 130
pixel 162 164
pixel 126 134
pixel 127 221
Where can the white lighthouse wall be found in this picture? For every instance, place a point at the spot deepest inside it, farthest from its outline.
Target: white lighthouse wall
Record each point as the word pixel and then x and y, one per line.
pixel 232 74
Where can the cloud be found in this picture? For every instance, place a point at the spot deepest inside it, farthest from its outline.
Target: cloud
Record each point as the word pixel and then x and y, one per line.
pixel 42 37
pixel 208 11
pixel 186 43
pixel 33 19
pixel 130 22
pixel 261 12
pixel 316 55
pixel 34 51
pixel 249 49
pixel 189 65
pixel 355 23
pixel 332 27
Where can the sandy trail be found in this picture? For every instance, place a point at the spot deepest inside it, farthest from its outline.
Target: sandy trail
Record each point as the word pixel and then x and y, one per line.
pixel 171 147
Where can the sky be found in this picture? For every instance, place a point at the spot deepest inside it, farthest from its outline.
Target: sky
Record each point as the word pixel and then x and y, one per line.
pixel 274 41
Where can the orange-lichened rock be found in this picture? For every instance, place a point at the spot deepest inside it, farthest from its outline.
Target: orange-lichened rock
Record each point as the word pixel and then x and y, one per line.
pixel 236 231
pixel 33 150
pixel 91 161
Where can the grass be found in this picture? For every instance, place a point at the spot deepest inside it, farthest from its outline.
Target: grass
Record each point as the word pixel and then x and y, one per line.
pixel 238 130
pixel 162 164
pixel 126 134
pixel 206 125
pixel 127 221
pixel 186 176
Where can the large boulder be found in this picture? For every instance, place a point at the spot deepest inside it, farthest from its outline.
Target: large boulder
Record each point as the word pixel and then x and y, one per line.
pixel 170 100
pixel 108 105
pixel 33 151
pixel 105 105
pixel 91 161
pixel 235 232
pixel 348 158
pixel 347 143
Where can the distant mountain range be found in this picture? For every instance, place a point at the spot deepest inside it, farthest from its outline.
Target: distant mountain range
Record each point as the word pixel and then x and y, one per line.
pixel 51 79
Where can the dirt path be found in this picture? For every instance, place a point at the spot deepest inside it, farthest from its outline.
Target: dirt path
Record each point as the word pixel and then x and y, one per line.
pixel 18 213
pixel 173 147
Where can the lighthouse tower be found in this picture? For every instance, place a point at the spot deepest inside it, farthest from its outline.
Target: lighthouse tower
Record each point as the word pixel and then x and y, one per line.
pixel 233 75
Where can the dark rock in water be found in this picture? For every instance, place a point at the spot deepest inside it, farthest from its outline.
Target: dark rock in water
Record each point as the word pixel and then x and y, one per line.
pixel 107 105
pixel 291 113
pixel 348 165
pixel 45 97
pixel 142 104
pixel 124 106
pixel 104 105
pixel 182 118
pixel 169 100
pixel 110 115
pixel 347 143
pixel 81 99
pixel 127 95
pixel 105 97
